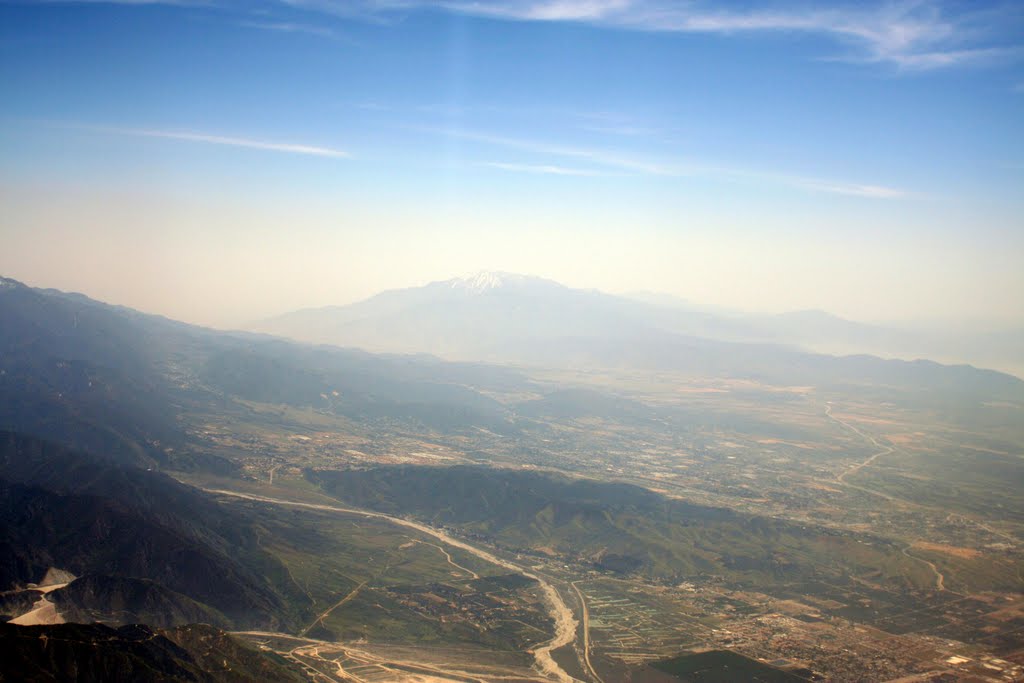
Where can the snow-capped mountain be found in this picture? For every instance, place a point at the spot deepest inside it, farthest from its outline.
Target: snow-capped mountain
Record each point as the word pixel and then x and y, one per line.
pixel 499 316
pixel 485 281
pixel 479 316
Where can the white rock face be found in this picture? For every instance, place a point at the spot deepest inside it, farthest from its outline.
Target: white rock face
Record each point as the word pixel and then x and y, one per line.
pixel 57 576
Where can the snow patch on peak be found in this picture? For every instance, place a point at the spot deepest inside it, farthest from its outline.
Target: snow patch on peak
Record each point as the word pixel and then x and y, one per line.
pixel 482 281
pixel 485 281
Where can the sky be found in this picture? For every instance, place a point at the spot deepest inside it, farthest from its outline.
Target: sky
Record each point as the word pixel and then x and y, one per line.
pixel 220 162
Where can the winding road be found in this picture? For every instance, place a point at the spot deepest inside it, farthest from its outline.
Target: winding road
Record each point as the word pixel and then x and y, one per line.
pixel 940 580
pixel 883 450
pixel 565 623
pixel 452 562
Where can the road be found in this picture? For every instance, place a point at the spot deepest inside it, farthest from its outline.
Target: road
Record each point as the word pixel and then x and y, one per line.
pixel 883 450
pixel 452 562
pixel 338 662
pixel 841 479
pixel 586 633
pixel 565 623
pixel 940 580
pixel 324 615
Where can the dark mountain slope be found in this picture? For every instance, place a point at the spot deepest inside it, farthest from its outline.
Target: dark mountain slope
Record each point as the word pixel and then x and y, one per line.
pixel 616 526
pixel 109 380
pixel 360 385
pixel 97 654
pixel 116 601
pixel 68 510
pixel 88 375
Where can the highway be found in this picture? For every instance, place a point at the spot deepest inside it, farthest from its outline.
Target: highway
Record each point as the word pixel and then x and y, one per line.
pixel 586 632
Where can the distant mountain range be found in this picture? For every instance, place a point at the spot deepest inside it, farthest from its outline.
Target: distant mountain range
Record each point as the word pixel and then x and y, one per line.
pixel 107 379
pixel 507 317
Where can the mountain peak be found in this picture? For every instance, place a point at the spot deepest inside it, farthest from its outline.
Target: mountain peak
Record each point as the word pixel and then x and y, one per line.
pixel 8 283
pixel 486 280
pixel 481 281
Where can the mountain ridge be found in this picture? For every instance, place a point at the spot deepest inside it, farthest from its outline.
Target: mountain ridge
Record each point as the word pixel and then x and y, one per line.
pixel 505 317
pixel 62 508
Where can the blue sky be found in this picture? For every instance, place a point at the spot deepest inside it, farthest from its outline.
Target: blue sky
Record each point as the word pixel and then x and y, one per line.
pixel 218 161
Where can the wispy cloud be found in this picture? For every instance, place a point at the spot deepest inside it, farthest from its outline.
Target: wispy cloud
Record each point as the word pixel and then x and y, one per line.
pixel 624 130
pixel 819 185
pixel 849 189
pixel 541 169
pixel 183 3
pixel 248 143
pixel 372 106
pixel 290 27
pixel 636 165
pixel 925 61
pixel 594 156
pixel 911 34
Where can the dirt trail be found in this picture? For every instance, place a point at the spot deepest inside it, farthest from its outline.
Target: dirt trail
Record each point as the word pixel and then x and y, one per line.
pixel 361 658
pixel 322 616
pixel 565 623
pixel 452 562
